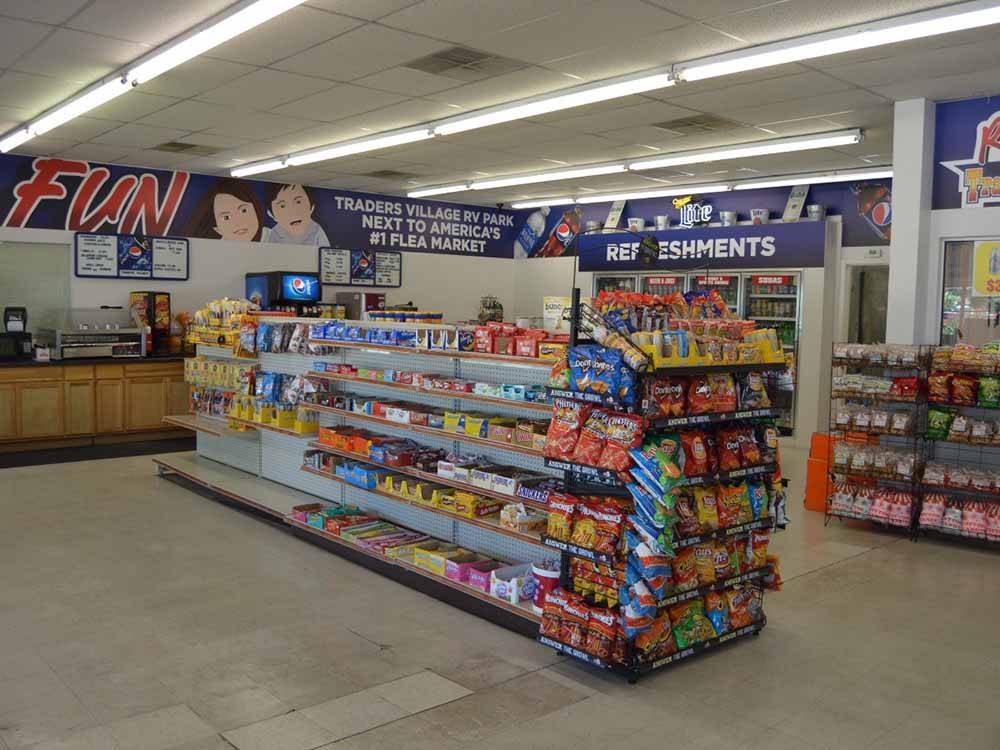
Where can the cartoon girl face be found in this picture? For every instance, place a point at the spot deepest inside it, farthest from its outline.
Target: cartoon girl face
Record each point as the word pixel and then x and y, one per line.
pixel 235 219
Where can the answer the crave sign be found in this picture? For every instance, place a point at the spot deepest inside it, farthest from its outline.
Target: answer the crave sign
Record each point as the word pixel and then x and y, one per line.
pixel 792 245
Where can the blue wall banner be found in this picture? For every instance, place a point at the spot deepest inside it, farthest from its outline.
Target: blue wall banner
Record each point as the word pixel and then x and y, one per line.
pixel 967 154
pixel 793 245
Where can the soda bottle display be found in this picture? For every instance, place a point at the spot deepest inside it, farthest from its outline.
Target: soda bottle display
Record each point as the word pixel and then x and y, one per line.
pixel 562 234
pixel 530 233
pixel 875 207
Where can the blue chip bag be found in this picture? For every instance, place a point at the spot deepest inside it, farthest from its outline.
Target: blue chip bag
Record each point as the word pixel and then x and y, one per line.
pixel 638 607
pixel 626 385
pixel 758 499
pixel 654 567
pixel 594 369
pixel 717 611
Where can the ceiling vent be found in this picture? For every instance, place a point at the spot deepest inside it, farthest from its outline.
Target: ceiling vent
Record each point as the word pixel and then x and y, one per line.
pixel 697 125
pixel 464 64
pixel 389 174
pixel 176 147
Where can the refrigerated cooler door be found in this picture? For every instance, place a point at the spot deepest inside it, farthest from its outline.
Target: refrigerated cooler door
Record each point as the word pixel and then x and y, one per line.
pixel 614 284
pixel 727 284
pixel 662 285
pixel 773 301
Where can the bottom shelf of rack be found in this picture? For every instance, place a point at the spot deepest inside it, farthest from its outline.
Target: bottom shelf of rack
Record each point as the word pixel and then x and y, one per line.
pixel 959 538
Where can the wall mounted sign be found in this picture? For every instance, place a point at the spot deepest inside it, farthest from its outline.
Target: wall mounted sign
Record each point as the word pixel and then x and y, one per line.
pixel 130 256
pixel 795 245
pixel 986 269
pixel 967 154
pixel 341 267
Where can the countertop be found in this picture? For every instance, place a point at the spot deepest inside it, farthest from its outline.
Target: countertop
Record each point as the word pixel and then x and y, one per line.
pixel 94 361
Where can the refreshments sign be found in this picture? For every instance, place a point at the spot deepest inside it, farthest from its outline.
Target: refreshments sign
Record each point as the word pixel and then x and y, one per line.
pixel 794 245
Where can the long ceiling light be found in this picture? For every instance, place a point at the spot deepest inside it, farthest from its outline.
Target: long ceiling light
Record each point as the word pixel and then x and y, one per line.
pixel 551 176
pixel 814 179
pixel 258 167
pixel 756 148
pixel 862 36
pixel 540 203
pixel 247 15
pixel 612 88
pixel 439 190
pixel 665 193
pixel 359 146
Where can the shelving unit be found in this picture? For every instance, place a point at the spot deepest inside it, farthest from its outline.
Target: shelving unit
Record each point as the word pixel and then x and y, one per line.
pixel 449 354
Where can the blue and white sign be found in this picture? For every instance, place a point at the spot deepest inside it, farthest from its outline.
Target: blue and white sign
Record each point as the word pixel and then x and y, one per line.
pixel 793 245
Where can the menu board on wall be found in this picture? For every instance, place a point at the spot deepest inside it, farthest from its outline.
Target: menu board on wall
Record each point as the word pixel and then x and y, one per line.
pixel 339 267
pixel 130 256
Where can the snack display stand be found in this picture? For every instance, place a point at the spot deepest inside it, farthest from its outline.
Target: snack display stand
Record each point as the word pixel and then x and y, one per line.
pixel 626 635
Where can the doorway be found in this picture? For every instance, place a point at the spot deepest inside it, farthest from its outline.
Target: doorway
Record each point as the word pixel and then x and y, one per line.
pixel 869 299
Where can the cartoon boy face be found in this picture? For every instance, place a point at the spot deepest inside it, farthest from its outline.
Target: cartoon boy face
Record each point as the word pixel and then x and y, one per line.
pixel 235 219
pixel 292 209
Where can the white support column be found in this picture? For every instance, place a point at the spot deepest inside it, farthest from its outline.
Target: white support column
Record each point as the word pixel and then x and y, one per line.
pixel 910 253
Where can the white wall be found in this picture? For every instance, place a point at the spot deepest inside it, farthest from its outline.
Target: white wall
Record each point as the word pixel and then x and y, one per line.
pixel 535 279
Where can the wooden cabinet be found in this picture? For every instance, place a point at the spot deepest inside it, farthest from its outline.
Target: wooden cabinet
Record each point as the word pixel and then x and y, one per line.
pixel 109 406
pixel 40 410
pixel 145 403
pixel 178 399
pixel 8 411
pixel 79 403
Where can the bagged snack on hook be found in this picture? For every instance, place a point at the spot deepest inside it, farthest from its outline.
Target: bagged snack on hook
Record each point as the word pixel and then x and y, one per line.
pixel 750 454
pixel 699 396
pixel 704 562
pixel 744 606
pixel 594 369
pixel 638 608
pixel 989 391
pixel 590 444
pixel 695 453
pixel 712 451
pixel 753 394
pixel 939 422
pixel 759 500
pixel 552 613
pixel 651 567
pixel 717 611
pixel 939 387
pixel 657 641
pixel 559 374
pixel 730 503
pixel 706 507
pixel 246 342
pixel 723 392
pixel 564 430
pixel 690 624
pixel 959 429
pixel 665 397
pixel 687 518
pixel 623 433
pixel 964 390
pixel 757 548
pixel 602 625
pixel 560 521
pixel 575 617
pixel 685 571
pixel 728 442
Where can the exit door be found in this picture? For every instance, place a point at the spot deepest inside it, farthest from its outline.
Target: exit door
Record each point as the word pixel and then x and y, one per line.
pixel 869 303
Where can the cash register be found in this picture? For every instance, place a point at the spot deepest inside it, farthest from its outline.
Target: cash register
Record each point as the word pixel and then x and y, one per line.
pixel 15 341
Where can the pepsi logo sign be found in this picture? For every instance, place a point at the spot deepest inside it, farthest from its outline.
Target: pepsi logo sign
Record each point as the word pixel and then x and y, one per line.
pixel 881 214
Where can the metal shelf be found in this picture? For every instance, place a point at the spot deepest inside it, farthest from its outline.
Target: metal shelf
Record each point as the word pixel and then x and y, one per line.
pixel 214 426
pixel 544 408
pixel 272 428
pixel 581 552
pixel 493 359
pixel 733 368
pixel 771 317
pixel 429 477
pixel 481 521
pixel 461 437
pixel 704 646
pixel 683 596
pixel 725 476
pixel 772 296
pixel 703 419
pixel 727 533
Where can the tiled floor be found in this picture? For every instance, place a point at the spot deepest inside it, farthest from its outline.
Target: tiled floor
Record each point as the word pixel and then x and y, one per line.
pixel 135 615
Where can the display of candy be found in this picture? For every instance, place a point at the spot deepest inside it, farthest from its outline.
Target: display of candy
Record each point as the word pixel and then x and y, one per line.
pixel 889 355
pixel 878 504
pixel 874 460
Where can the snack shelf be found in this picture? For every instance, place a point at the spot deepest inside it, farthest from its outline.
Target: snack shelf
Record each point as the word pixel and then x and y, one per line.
pixel 461 437
pixel 954 441
pixel 773 296
pixel 772 317
pixel 592 474
pixel 726 533
pixel 704 419
pixel 214 426
pixel 522 610
pixel 985 495
pixel 876 397
pixel 482 522
pixel 962 406
pixel 855 474
pixel 493 359
pixel 882 524
pixel 589 398
pixel 959 537
pixel 703 646
pixel 431 477
pixel 725 476
pixel 582 552
pixel 272 428
pixel 872 433
pixel 733 368
pixel 865 363
pixel 543 408
pixel 683 596
pixel 582 655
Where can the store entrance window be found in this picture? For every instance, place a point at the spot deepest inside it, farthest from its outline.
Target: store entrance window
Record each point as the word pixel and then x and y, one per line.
pixel 969 312
pixel 869 302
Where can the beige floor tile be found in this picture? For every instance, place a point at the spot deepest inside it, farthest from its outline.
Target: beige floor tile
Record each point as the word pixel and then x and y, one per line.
pixel 240 708
pixel 160 730
pixel 292 731
pixel 97 738
pixel 420 692
pixel 209 743
pixel 354 713
pixel 410 733
pixel 118 695
pixel 480 670
pixel 39 708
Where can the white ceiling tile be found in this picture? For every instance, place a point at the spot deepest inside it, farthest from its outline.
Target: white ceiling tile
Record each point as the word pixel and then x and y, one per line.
pixel 361 52
pixel 46 11
pixel 154 159
pixel 34 93
pixel 96 152
pixel 369 9
pixel 214 141
pixel 901 49
pixel 132 106
pixel 288 34
pixel 584 26
pixel 260 125
pixel 192 115
pixel 17 38
pixel 460 20
pixel 77 55
pixel 702 9
pixel 311 137
pixel 404 114
pixel 11 117
pixel 407 81
pixel 195 77
pixel 966 85
pixel 638 114
pixel 613 58
pixel 455 156
pixel 508 135
pixel 84 128
pixel 575 149
pixel 921 65
pixel 800 85
pixel 44 146
pixel 147 21
pixel 783 20
pixel 265 89
pixel 504 88
pixel 800 108
pixel 338 102
pixel 135 136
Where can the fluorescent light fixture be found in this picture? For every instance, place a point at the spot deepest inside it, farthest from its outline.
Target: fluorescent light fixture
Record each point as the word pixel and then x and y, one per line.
pixel 258 167
pixel 540 203
pixel 576 96
pixel 359 146
pixel 813 179
pixel 15 139
pixel 211 35
pixel 641 194
pixel 756 148
pixel 862 36
pixel 551 176
pixel 439 190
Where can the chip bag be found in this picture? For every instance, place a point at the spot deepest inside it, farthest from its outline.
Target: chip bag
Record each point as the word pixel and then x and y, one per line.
pixel 687 518
pixel 665 397
pixel 638 608
pixel 723 392
pixel 590 444
pixel 657 639
pixel 704 562
pixel 594 369
pixel 939 422
pixel 729 449
pixel 699 399
pixel 685 571
pixel 757 493
pixel 690 624
pixel 757 548
pixel 744 606
pixel 706 508
pixel 575 618
pixel 723 562
pixel 730 504
pixel 939 387
pixel 601 627
pixel 623 433
pixel 717 611
pixel 964 390
pixel 750 453
pixel 560 521
pixel 552 613
pixel 989 391
pixel 564 430
pixel 753 394
pixel 695 453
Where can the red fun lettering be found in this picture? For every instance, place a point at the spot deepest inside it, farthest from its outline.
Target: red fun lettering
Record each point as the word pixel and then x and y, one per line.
pixel 143 212
pixel 42 185
pixel 84 219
